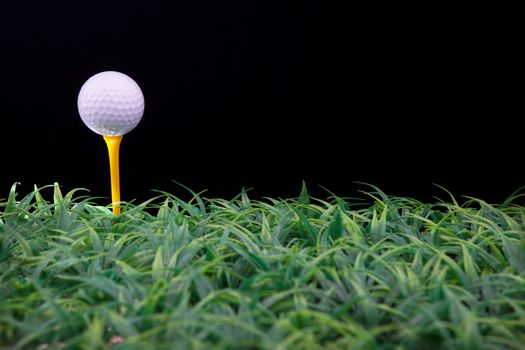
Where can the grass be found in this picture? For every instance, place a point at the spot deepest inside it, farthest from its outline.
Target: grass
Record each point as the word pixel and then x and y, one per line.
pixel 299 273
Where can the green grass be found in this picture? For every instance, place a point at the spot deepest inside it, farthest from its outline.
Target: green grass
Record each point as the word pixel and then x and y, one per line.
pixel 299 273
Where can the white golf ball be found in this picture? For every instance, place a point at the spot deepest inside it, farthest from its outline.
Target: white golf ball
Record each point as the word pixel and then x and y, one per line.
pixel 110 103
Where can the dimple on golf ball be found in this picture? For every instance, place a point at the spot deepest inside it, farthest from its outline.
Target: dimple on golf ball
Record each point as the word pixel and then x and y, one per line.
pixel 110 103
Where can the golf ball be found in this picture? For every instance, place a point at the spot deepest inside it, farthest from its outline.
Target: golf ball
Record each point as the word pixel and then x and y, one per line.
pixel 110 103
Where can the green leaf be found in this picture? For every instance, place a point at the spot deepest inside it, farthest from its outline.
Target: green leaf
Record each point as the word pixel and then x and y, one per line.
pixel 95 333
pixel 470 333
pixel 123 326
pixel 253 259
pixel 470 267
pixel 335 229
pixel 266 236
pixel 128 270
pixel 24 243
pixel 42 205
pixel 164 209
pixel 245 200
pixel 515 252
pixel 58 199
pixel 11 201
pixel 95 241
pixel 196 196
pixel 303 196
pixel 378 227
pixel 158 266
pixel 307 228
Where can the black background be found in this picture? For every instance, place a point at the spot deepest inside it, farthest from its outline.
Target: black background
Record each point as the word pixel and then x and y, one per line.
pixel 263 95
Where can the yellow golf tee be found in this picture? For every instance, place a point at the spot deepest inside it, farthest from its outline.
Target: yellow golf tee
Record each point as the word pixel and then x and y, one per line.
pixel 113 143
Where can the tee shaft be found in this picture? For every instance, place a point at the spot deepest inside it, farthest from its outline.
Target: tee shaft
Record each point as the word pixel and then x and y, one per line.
pixel 113 143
